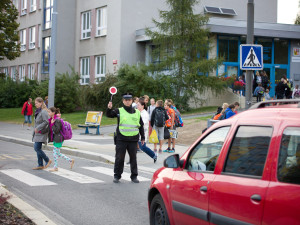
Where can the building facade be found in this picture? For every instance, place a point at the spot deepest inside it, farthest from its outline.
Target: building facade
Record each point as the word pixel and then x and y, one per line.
pixel 95 37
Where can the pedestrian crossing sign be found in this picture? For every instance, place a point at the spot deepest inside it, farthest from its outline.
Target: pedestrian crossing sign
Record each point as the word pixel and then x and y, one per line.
pixel 251 57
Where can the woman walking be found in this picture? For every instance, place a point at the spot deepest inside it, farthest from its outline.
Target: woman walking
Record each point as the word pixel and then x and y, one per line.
pixel 141 106
pixel 41 128
pixel 56 137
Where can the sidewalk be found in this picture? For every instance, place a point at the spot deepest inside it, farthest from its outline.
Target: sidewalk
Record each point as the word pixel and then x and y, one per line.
pixel 93 147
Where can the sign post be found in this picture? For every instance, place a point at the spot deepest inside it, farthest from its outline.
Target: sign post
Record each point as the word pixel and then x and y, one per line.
pixel 112 91
pixel 251 58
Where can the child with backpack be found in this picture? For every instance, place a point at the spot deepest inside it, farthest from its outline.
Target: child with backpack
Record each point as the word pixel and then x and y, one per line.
pixel 158 118
pixel 57 136
pixel 170 124
pixel 259 92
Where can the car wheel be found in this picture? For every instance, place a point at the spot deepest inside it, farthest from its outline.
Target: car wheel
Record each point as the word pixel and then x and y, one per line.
pixel 158 212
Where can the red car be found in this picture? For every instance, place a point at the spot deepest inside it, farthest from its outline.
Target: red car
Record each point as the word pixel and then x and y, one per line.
pixel 242 170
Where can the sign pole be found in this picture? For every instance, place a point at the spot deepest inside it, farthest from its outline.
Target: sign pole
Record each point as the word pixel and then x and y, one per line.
pixel 250 38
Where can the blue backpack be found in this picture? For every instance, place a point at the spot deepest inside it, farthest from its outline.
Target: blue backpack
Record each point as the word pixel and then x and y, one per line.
pixel 178 120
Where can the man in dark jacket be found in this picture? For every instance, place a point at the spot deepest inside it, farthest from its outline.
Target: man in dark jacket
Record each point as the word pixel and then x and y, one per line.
pixel 281 88
pixel 130 125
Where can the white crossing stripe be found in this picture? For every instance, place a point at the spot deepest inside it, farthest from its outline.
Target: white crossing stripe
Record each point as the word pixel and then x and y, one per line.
pixel 27 178
pixel 110 172
pixel 77 177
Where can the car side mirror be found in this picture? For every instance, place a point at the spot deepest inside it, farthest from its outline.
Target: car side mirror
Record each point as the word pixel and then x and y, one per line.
pixel 172 161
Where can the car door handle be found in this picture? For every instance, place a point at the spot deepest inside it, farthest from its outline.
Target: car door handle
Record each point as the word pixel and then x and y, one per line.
pixel 203 188
pixel 256 198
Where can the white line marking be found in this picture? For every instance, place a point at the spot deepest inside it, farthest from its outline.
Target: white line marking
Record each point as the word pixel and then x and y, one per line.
pixel 27 178
pixel 110 172
pixel 77 177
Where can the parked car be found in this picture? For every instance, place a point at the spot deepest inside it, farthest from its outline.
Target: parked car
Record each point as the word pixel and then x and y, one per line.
pixel 242 170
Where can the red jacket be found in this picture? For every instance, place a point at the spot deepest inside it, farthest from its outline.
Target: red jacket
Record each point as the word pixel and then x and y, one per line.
pixel 29 109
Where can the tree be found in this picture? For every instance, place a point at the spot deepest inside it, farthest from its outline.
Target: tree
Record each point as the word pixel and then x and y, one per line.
pixel 9 37
pixel 180 44
pixel 297 21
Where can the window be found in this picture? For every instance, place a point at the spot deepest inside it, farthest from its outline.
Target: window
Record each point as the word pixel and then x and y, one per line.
pixel 22 73
pixel 31 71
pixel 23 39
pixel 13 72
pixel 101 21
pixel 46 54
pixel 159 55
pixel 281 51
pixel 31 37
pixel 48 13
pixel 228 48
pixel 32 5
pixel 5 71
pixel 267 49
pixel 38 72
pixel 86 25
pixel 85 70
pixel 205 155
pixel 100 68
pixel 23 7
pixel 248 152
pixel 289 156
pixel 16 3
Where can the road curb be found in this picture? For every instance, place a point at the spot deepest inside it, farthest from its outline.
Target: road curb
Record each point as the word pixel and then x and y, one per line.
pixel 32 213
pixel 68 151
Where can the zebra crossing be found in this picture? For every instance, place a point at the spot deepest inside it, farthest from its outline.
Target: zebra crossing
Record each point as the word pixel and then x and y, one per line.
pixel 32 179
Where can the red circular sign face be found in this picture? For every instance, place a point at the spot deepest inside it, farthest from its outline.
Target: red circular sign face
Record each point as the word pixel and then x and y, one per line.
pixel 113 90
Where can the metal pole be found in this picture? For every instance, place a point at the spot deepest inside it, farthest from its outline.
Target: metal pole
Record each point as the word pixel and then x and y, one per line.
pixel 51 89
pixel 250 38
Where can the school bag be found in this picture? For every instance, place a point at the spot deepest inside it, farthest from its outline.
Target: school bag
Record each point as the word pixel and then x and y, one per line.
pixel 297 94
pixel 177 120
pixel 223 116
pixel 66 129
pixel 159 118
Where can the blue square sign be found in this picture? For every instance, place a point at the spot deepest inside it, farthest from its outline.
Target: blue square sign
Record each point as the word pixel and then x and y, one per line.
pixel 251 57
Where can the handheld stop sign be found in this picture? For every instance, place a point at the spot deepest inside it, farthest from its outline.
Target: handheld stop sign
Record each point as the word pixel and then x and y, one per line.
pixel 112 91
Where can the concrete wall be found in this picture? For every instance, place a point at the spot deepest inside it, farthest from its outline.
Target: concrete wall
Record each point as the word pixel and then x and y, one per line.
pixel 295 66
pixel 208 98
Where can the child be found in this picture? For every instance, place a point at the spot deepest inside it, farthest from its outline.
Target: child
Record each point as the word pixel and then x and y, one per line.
pixel 267 95
pixel 170 124
pixel 56 136
pixel 158 118
pixel 259 92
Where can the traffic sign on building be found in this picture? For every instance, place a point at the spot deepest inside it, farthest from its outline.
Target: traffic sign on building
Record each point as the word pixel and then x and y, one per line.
pixel 251 57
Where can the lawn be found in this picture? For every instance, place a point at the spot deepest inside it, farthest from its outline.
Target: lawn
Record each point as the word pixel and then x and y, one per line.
pixel 13 115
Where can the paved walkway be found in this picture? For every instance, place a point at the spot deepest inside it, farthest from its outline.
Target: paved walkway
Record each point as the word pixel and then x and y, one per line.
pixel 94 147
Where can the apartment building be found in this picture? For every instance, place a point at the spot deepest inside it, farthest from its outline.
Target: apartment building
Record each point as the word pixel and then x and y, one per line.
pixel 97 36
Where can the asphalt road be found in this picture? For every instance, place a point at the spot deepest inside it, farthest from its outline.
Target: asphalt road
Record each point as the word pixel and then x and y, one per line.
pixel 86 195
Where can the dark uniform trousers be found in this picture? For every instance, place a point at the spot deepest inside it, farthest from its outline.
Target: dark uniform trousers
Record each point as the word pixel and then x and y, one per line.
pixel 121 147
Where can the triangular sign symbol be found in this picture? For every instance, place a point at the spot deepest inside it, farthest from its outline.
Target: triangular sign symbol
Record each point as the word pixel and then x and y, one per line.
pixel 251 60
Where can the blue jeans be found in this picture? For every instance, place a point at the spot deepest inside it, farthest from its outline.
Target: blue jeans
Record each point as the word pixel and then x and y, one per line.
pixel 147 150
pixel 40 153
pixel 27 119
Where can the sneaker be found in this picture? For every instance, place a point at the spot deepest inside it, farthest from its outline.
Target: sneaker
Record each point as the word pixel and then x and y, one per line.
pixel 167 150
pixel 155 159
pixel 139 150
pixel 48 164
pixel 28 128
pixel 72 163
pixel 172 151
pixel 160 151
pixel 135 180
pixel 155 151
pixel 116 180
pixel 53 170
pixel 38 168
